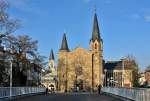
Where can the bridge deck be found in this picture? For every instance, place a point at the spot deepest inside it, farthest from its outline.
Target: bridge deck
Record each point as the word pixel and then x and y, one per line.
pixel 69 97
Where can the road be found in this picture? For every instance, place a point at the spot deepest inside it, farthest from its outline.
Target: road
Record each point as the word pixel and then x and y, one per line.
pixel 68 97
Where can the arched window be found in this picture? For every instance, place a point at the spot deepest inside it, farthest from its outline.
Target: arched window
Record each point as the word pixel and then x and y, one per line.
pixel 95 45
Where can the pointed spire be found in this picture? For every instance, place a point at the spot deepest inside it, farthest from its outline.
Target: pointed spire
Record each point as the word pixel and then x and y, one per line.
pixel 51 55
pixel 64 45
pixel 96 32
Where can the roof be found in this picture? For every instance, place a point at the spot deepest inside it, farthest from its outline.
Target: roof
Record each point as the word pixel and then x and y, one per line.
pixel 147 69
pixel 64 45
pixel 118 65
pixel 112 65
pixel 51 55
pixel 96 31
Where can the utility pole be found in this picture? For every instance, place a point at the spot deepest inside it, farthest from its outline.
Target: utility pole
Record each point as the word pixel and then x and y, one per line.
pixel 122 72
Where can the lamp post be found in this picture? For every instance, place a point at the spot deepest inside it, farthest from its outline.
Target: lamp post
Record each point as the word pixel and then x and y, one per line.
pixel 122 71
pixel 10 83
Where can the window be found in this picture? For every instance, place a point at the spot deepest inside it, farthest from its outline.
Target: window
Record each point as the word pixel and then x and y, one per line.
pixel 95 45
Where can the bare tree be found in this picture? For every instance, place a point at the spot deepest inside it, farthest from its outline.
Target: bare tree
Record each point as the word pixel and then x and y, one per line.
pixel 7 25
pixel 22 48
pixel 132 63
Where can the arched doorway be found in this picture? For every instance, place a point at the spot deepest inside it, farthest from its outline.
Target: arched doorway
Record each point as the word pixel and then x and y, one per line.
pixel 78 84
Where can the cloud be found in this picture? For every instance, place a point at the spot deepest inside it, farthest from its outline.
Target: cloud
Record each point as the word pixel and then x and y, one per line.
pixel 147 18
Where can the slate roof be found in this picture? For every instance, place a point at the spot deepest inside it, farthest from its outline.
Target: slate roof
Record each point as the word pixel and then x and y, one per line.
pixel 96 31
pixel 64 45
pixel 117 65
pixel 51 56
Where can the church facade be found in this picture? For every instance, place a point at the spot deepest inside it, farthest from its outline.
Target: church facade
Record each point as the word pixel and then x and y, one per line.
pixel 81 68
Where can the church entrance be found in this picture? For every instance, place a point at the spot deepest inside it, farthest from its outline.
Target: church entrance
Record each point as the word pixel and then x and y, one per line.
pixel 79 85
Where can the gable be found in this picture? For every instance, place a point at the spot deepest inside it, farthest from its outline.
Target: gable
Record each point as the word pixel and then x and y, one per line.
pixel 80 56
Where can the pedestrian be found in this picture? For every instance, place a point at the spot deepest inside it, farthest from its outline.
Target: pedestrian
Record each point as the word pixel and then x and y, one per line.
pixel 99 88
pixel 46 90
pixel 77 88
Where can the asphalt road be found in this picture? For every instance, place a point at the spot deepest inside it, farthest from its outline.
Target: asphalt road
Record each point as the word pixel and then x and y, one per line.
pixel 68 97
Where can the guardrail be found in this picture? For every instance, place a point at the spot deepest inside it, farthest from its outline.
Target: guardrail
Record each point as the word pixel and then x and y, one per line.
pixel 7 92
pixel 136 94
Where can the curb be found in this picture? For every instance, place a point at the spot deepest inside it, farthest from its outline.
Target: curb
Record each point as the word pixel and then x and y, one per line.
pixel 20 96
pixel 118 97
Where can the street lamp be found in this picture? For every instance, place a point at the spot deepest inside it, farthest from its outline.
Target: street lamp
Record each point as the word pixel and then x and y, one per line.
pixel 11 64
pixel 122 71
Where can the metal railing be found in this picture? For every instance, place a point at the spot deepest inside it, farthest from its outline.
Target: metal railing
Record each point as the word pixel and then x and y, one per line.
pixel 7 92
pixel 136 94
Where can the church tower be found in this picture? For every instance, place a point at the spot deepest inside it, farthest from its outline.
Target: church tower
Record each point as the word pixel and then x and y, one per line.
pixel 62 64
pixel 96 46
pixel 52 62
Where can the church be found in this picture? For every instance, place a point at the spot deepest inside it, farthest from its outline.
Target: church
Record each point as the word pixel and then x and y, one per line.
pixel 81 68
pixel 49 76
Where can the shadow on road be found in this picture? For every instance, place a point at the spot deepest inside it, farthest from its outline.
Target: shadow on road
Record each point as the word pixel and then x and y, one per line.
pixel 69 97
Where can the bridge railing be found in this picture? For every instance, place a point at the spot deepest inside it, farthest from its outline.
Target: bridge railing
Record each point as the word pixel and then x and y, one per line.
pixel 6 92
pixel 136 94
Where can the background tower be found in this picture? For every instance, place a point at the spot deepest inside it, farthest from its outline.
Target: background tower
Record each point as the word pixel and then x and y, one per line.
pixel 52 62
pixel 53 72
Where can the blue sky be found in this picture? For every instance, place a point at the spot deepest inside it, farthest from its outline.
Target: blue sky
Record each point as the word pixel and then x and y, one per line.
pixel 124 25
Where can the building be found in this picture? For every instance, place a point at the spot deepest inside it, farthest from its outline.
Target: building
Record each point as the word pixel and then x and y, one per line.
pixel 121 73
pixel 147 76
pixel 81 68
pixel 49 80
pixel 142 78
pixel 33 75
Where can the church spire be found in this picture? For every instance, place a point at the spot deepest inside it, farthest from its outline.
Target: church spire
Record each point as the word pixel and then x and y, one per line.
pixel 64 45
pixel 51 55
pixel 96 32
